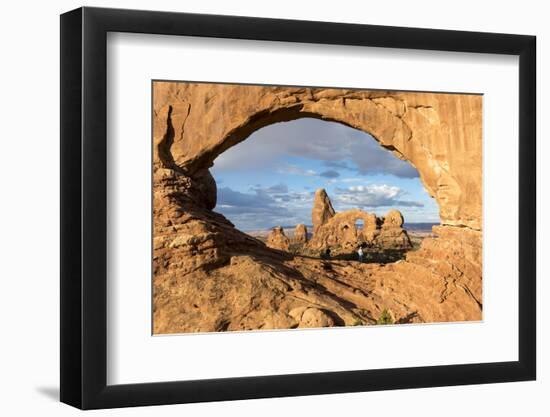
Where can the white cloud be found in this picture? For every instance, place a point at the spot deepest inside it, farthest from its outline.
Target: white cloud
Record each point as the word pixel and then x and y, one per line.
pixel 341 157
pixel 263 208
pixel 373 195
pixel 288 169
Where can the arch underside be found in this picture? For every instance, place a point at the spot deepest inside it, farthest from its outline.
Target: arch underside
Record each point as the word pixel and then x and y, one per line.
pixel 439 134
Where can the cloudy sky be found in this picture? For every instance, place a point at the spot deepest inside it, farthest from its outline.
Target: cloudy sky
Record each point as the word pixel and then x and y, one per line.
pixel 270 178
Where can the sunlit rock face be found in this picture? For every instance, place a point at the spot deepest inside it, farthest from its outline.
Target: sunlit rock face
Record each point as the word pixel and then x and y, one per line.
pixel 300 234
pixel 209 276
pixel 339 230
pixel 277 239
pixel 322 210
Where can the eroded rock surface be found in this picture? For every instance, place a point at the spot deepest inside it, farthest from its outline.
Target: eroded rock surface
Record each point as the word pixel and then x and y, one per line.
pixel 391 234
pixel 342 230
pixel 322 209
pixel 209 276
pixel 300 234
pixel 277 239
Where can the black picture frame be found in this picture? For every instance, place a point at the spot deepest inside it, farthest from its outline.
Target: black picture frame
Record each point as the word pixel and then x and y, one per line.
pixel 84 207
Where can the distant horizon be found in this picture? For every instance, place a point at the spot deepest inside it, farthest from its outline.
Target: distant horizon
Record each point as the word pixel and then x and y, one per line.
pixel 309 226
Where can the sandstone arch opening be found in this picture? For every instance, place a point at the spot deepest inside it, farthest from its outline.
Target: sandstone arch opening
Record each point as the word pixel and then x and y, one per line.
pixel 208 276
pixel 266 186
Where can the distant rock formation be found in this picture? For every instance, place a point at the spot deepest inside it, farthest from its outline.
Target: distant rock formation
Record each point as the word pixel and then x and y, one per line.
pixel 300 234
pixel 277 239
pixel 322 209
pixel 394 218
pixel 392 235
pixel 341 229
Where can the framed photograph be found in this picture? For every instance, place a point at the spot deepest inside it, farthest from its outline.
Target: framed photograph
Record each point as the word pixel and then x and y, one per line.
pixel 259 208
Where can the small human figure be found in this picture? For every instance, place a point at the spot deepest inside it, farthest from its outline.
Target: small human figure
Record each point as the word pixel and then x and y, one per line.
pixel 360 253
pixel 327 253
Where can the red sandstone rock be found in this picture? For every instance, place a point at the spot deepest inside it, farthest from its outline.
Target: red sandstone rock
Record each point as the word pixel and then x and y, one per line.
pixel 322 209
pixel 341 230
pixel 300 234
pixel 209 276
pixel 277 239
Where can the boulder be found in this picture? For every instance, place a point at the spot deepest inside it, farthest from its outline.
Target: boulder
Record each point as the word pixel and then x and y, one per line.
pixel 277 239
pixel 300 234
pixel 314 317
pixel 394 218
pixel 392 235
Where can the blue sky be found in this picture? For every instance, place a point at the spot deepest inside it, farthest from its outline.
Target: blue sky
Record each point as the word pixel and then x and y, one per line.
pixel 270 178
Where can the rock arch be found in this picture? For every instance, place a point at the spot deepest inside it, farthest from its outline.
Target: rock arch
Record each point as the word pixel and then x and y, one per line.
pixel 439 134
